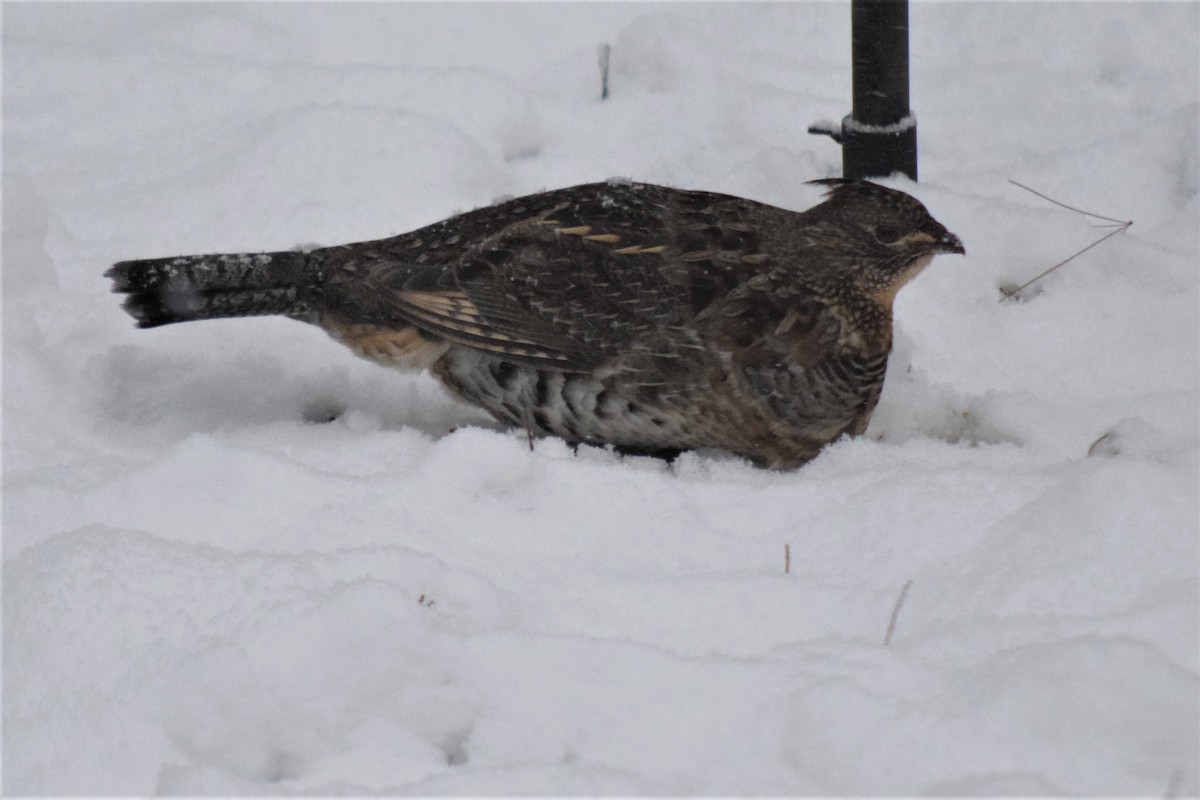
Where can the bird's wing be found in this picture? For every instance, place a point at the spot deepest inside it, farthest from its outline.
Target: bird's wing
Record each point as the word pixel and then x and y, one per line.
pixel 800 359
pixel 618 270
pixel 431 299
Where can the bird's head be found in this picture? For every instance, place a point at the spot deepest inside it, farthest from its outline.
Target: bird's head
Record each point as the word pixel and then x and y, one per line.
pixel 888 235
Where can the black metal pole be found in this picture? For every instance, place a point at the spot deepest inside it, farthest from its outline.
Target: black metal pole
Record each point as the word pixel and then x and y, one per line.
pixel 879 137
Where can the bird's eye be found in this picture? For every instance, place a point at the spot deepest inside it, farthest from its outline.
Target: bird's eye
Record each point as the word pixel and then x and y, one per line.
pixel 885 234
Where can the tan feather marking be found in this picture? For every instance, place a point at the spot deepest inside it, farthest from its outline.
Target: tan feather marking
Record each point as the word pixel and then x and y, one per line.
pixel 454 312
pixel 697 255
pixel 545 217
pixel 607 238
pixel 755 258
pixel 788 322
pixel 580 230
pixel 638 250
pixel 394 347
pixel 456 321
pixel 453 305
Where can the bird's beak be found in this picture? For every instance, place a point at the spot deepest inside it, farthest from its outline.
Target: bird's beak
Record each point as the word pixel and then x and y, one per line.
pixel 949 243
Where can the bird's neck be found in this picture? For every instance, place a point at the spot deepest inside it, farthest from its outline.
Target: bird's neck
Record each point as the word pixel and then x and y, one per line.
pixel 886 295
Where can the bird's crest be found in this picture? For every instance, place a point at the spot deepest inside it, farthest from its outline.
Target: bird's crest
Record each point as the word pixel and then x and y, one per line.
pixel 838 186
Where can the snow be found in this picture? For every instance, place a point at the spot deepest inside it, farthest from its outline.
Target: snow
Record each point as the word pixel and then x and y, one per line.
pixel 849 123
pixel 211 588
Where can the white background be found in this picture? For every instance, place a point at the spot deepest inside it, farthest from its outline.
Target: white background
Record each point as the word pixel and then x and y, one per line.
pixel 206 590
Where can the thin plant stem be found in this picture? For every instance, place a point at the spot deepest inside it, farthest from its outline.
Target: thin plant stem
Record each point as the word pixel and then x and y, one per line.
pixel 1118 225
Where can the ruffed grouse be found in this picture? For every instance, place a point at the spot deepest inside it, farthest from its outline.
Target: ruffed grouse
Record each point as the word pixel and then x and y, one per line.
pixel 650 318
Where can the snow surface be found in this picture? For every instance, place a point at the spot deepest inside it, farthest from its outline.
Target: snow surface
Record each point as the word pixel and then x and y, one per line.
pixel 209 587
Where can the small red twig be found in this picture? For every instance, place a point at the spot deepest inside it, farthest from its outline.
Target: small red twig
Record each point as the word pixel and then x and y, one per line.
pixel 787 558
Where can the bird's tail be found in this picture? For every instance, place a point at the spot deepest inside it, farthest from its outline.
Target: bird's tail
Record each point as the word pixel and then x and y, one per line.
pixel 161 291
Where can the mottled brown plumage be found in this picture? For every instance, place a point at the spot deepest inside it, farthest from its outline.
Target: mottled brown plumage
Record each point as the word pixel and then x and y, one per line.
pixel 646 317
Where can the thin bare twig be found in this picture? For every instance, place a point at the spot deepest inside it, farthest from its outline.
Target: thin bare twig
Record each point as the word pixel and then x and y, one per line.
pixel 1071 208
pixel 787 558
pixel 887 639
pixel 528 428
pixel 1117 224
pixel 1011 292
pixel 605 53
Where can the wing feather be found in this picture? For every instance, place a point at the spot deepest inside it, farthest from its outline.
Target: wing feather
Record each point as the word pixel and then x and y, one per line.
pixel 584 276
pixel 455 317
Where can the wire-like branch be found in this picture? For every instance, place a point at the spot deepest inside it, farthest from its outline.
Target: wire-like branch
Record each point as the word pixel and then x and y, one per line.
pixel 1071 208
pixel 1011 292
pixel 1118 226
